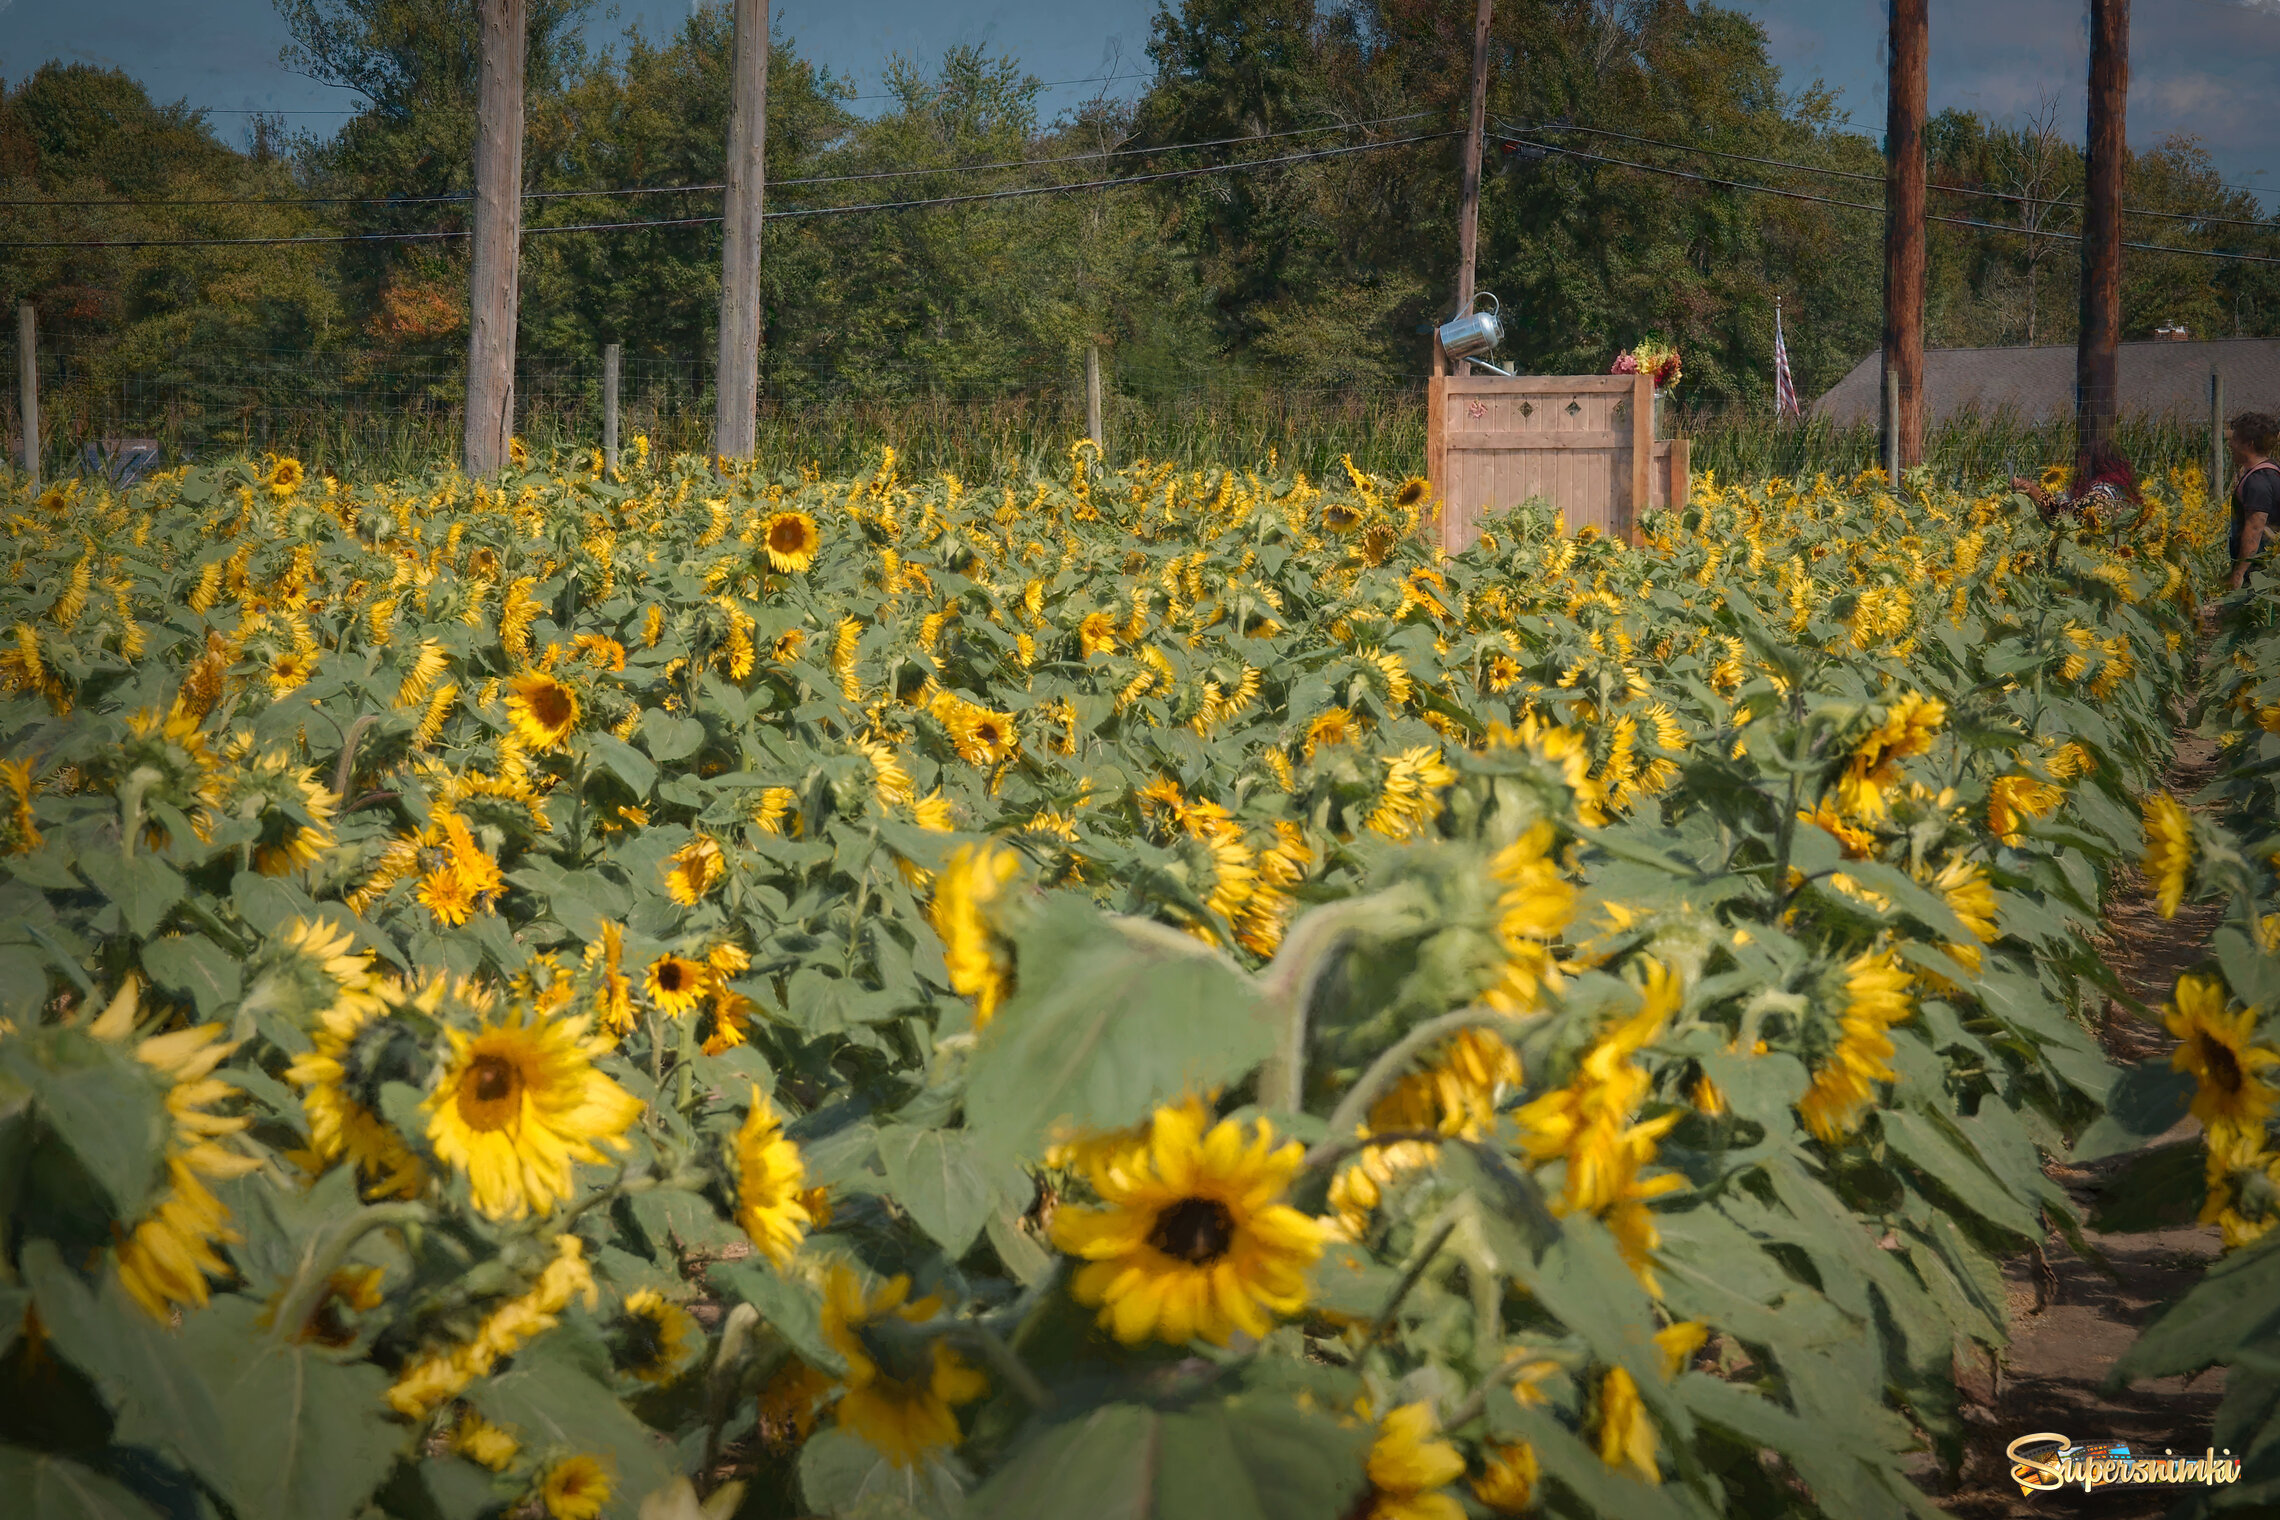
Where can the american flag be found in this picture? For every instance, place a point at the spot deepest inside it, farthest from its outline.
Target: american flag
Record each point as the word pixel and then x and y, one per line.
pixel 1784 388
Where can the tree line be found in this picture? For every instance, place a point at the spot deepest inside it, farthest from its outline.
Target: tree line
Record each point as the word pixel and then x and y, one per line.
pixel 1321 273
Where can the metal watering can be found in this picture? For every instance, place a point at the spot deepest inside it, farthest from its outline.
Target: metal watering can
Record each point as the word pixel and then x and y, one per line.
pixel 1474 334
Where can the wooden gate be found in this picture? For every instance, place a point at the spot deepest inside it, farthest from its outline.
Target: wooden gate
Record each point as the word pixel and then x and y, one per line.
pixel 1585 443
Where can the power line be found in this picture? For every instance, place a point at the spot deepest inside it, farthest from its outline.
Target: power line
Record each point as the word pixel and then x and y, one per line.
pixel 793 213
pixel 1824 200
pixel 457 197
pixel 1878 179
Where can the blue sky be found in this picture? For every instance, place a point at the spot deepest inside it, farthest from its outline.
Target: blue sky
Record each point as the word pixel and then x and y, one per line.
pixel 2208 68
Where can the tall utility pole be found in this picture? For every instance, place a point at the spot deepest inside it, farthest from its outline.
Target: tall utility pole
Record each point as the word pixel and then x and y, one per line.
pixel 28 387
pixel 1904 234
pixel 494 276
pixel 1468 221
pixel 2096 375
pixel 736 384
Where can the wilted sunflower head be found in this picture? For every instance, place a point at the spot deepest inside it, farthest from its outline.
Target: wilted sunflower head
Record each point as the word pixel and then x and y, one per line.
pixel 692 871
pixel 791 540
pixel 1412 492
pixel 542 709
pixel 1341 516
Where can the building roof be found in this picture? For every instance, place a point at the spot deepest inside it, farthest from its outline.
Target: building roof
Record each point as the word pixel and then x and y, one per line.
pixel 2037 384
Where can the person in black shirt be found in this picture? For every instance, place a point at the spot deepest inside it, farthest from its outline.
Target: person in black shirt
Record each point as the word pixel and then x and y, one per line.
pixel 2256 490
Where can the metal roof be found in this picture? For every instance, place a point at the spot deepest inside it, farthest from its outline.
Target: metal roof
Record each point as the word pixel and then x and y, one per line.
pixel 2037 384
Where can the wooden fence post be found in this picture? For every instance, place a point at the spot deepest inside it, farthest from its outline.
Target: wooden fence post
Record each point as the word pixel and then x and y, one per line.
pixel 2220 457
pixel 613 360
pixel 494 274
pixel 1468 219
pixel 1437 448
pixel 28 386
pixel 1642 451
pixel 736 385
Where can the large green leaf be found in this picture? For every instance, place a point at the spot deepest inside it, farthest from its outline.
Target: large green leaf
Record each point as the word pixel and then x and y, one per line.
pixel 557 1395
pixel 43 1486
pixel 100 1102
pixel 193 964
pixel 843 1476
pixel 144 887
pixel 1950 1164
pixel 307 1437
pixel 1106 1024
pixel 940 1177
pixel 2144 1102
pixel 2235 1307
pixel 1250 1458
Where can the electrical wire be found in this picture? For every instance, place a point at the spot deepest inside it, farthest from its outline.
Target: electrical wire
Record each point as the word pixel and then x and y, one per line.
pixel 460 197
pixel 1824 200
pixel 792 213
pixel 1878 179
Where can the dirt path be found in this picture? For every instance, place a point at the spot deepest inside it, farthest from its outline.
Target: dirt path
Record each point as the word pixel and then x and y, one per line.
pixel 2052 1377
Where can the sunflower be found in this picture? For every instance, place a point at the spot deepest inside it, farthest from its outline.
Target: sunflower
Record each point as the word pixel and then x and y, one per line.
pixel 1097 634
pixel 1844 1084
pixel 891 781
pixel 19 834
pixel 1411 491
pixel 575 1488
pixel 613 992
pixel 292 810
pixel 480 1441
pixel 1501 672
pixel 791 540
pixel 675 983
pixel 653 1338
pixel 900 1393
pixel 1964 887
pixel 770 1204
pixel 1409 1469
pixel 2013 800
pixel 520 1101
pixel 2215 1046
pixel 1535 906
pixel 2055 476
pixel 167 1255
pixel 2243 1186
pixel 1194 1241
pixel 693 870
pixel 358 1046
pixel 1333 725
pixel 1508 1486
pixel 1341 517
pixel 542 710
pixel 291 671
pixel 2168 850
pixel 1411 799
pixel 465 880
pixel 285 476
pixel 1626 1435
pixel 981 736
pixel 979 962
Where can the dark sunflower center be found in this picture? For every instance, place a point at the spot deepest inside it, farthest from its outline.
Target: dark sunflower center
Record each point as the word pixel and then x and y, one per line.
pixel 787 538
pixel 1196 1230
pixel 492 1080
pixel 2224 1067
pixel 671 977
pixel 987 733
pixel 640 1343
pixel 550 704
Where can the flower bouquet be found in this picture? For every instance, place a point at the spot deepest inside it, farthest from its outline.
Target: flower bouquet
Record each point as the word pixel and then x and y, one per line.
pixel 1652 358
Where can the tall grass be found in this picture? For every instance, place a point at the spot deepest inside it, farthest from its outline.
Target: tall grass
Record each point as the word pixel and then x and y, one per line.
pixel 1968 450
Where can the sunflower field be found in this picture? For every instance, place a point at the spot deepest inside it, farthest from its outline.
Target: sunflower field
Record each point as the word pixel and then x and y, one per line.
pixel 664 996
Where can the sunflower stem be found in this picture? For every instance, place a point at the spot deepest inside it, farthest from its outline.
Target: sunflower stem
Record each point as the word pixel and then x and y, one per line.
pixel 1313 944
pixel 1412 1277
pixel 1354 1108
pixel 1009 1366
pixel 323 1257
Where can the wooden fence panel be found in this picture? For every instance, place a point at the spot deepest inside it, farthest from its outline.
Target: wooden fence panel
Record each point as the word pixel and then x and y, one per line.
pixel 1585 443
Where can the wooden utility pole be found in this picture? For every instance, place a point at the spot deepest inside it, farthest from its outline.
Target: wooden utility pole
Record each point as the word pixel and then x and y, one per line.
pixel 1905 53
pixel 1093 428
pixel 613 363
pixel 1468 219
pixel 28 386
pixel 2096 374
pixel 494 276
pixel 736 385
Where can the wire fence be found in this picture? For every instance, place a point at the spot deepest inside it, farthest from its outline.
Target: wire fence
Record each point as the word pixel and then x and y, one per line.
pixel 364 414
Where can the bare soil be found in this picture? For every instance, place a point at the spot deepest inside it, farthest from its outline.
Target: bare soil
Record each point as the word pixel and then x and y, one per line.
pixel 2071 1318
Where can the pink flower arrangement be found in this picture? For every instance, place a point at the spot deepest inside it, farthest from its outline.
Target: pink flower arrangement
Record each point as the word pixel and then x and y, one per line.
pixel 1653 358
